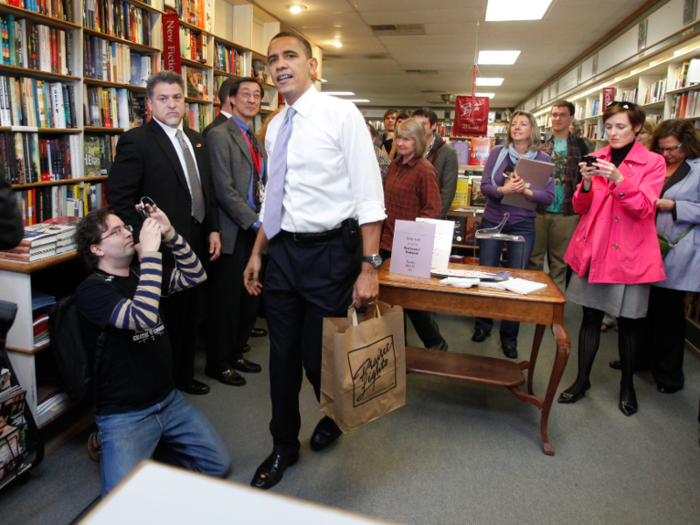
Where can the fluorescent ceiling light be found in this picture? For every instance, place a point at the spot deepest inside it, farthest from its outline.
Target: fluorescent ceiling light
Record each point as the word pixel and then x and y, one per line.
pixel 338 93
pixel 490 95
pixel 298 8
pixel 483 81
pixel 336 43
pixel 502 10
pixel 357 100
pixel 498 57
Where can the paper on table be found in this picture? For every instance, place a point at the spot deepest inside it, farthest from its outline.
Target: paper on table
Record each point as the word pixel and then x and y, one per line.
pixel 412 249
pixel 444 233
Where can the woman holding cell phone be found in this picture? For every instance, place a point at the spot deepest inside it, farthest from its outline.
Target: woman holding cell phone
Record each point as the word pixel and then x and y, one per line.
pixel 614 252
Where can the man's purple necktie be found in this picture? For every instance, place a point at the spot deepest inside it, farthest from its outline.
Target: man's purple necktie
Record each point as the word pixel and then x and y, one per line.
pixel 272 222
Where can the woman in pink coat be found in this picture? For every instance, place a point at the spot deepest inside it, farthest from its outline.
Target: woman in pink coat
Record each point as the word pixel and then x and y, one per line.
pixel 614 252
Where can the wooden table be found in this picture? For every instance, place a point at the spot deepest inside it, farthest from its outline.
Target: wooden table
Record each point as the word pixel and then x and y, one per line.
pixel 543 308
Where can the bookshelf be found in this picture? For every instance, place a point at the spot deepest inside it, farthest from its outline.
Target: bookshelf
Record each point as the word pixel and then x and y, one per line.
pixel 93 26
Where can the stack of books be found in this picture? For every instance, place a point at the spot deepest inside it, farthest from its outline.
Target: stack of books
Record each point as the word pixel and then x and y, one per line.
pixel 44 240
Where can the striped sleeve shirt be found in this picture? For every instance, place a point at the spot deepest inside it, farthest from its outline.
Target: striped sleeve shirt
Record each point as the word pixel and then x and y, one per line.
pixel 141 312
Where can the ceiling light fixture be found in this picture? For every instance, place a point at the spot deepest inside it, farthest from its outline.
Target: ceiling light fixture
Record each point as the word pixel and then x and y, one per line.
pixel 489 95
pixel 338 93
pixel 504 58
pixel 483 81
pixel 297 8
pixel 336 43
pixel 503 10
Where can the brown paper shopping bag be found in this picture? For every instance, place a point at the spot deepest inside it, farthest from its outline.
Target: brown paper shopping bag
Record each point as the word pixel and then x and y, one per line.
pixel 363 374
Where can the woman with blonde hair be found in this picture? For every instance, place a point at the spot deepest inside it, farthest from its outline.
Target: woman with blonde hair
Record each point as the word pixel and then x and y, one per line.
pixel 411 191
pixel 500 179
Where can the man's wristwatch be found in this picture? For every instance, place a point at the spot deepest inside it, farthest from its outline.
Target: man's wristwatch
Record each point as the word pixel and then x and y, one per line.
pixel 375 260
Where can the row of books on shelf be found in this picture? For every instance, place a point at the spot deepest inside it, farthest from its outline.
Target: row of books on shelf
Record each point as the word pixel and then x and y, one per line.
pixel 654 92
pixel 231 60
pixel 60 9
pixel 685 105
pixel 195 12
pixel 196 82
pixel 120 19
pixel 36 103
pixel 686 74
pixel 114 62
pixel 197 116
pixel 64 200
pixel 193 45
pixel 465 229
pixel 25 158
pixel 592 132
pixel 100 151
pixel 468 191
pixel 475 151
pixel 43 241
pixel 36 46
pixel 114 107
pixel 13 426
pixel 626 95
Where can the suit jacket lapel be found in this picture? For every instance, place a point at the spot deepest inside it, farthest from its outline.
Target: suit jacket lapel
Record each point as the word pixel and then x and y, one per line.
pixel 164 141
pixel 240 140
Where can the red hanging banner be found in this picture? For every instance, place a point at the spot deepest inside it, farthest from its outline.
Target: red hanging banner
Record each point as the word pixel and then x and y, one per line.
pixel 471 116
pixel 171 43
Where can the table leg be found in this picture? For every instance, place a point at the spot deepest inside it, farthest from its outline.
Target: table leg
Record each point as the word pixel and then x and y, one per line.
pixel 539 333
pixel 563 350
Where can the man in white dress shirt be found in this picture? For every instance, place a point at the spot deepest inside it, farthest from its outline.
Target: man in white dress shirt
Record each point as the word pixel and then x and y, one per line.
pixel 323 181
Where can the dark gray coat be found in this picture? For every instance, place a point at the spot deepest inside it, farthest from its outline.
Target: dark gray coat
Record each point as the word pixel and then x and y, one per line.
pixel 232 169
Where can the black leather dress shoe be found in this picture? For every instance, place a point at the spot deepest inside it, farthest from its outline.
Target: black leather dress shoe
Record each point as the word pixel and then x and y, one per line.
pixel 196 388
pixel 271 470
pixel 258 332
pixel 326 432
pixel 245 349
pixel 668 389
pixel 567 397
pixel 243 365
pixel 510 352
pixel 228 377
pixel 480 335
pixel 628 409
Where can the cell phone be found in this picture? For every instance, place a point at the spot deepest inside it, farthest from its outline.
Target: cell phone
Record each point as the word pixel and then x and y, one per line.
pixel 589 160
pixel 143 212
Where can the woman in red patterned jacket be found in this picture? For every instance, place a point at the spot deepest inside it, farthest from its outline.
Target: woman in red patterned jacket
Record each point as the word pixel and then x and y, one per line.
pixel 410 191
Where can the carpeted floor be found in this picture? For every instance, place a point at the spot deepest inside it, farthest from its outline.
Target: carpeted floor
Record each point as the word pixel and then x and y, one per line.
pixel 457 453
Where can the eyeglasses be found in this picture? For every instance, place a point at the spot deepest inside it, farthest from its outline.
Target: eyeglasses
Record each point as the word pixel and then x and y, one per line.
pixel 661 151
pixel 119 230
pixel 623 104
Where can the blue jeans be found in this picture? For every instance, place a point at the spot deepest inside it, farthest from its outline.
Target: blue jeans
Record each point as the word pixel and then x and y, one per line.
pixel 186 436
pixel 518 257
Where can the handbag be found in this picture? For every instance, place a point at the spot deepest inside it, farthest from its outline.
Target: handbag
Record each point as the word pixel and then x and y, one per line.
pixel 666 245
pixel 363 373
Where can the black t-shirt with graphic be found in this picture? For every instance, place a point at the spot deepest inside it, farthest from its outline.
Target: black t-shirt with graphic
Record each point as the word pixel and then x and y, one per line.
pixel 135 369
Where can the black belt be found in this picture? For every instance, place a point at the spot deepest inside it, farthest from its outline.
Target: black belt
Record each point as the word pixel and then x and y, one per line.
pixel 313 238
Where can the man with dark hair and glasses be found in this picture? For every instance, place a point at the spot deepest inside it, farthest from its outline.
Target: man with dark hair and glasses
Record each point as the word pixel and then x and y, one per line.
pixel 137 407
pixel 555 224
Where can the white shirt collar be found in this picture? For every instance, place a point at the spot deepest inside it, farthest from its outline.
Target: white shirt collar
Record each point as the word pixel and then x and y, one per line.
pixel 227 115
pixel 306 101
pixel 168 129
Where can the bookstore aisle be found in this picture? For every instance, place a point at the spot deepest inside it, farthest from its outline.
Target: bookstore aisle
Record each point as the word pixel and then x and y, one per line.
pixel 457 452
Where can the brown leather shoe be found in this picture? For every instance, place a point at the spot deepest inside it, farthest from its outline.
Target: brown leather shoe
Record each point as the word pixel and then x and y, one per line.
pixel 229 377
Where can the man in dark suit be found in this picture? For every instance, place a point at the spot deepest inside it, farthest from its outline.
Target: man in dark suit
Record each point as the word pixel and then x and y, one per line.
pixel 170 164
pixel 239 165
pixel 225 110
